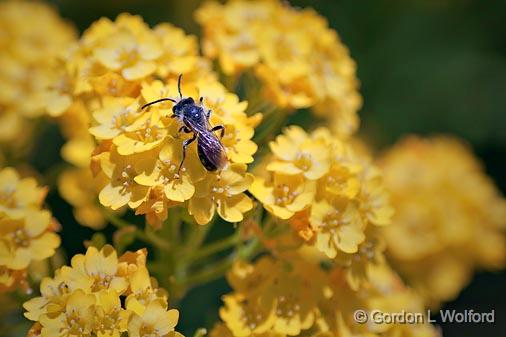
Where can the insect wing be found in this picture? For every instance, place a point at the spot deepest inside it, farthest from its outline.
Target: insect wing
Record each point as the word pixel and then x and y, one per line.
pixel 211 151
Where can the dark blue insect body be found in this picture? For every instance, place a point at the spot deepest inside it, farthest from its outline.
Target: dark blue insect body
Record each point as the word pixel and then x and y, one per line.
pixel 196 121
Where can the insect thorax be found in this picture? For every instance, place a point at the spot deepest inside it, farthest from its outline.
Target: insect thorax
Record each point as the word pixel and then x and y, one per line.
pixel 195 115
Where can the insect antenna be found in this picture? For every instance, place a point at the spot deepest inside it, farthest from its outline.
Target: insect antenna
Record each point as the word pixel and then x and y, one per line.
pixel 158 101
pixel 179 85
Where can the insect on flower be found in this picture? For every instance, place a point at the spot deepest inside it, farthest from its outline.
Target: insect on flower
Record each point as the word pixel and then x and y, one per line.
pixel 196 120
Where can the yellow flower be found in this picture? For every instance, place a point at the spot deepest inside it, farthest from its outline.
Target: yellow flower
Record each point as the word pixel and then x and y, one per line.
pixel 110 318
pixel 114 117
pixel 273 297
pixel 443 202
pixel 77 187
pixel 330 194
pixel 53 291
pixel 388 294
pixel 17 195
pixel 28 60
pixel 103 74
pixel 179 52
pixel 147 133
pixel 143 291
pixel 221 330
pixel 122 188
pixel 102 295
pixel 26 240
pixel 115 68
pixel 230 38
pixel 144 164
pixel 299 60
pixel 245 318
pixel 222 193
pixel 163 172
pixel 285 194
pixel 296 153
pixel 26 231
pixel 155 320
pixel 339 229
pixel 76 320
pixel 293 295
pixel 131 50
pixel 95 271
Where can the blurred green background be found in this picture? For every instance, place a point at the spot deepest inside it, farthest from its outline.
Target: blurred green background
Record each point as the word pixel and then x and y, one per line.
pixel 426 66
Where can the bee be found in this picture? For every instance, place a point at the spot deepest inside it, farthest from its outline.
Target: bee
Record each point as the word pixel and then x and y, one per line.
pixel 195 120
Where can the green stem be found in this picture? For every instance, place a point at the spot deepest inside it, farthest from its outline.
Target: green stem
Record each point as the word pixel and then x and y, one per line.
pixel 147 237
pixel 215 247
pixel 156 240
pixel 196 238
pixel 218 269
pixel 210 273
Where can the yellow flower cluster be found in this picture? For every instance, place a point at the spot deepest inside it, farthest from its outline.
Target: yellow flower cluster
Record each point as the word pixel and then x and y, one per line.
pixel 27 62
pixel 102 295
pixel 332 197
pixel 449 220
pixel 37 78
pixel 117 67
pixel 294 297
pixel 26 230
pixel 299 60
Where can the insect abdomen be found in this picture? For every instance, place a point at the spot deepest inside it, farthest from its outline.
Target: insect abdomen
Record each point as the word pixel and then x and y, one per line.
pixel 211 153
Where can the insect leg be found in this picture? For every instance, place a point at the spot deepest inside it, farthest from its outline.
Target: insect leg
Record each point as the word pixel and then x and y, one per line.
pixel 183 128
pixel 185 145
pixel 219 127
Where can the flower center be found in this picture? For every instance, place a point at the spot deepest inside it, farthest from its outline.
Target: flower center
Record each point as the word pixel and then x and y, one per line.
pixel 7 197
pixel 128 55
pixel 109 322
pixel 251 318
pixel 123 118
pixel 218 193
pixel 101 282
pixel 287 306
pixel 169 171
pixel 148 331
pixel 126 177
pixel 366 251
pixel 303 161
pixel 75 325
pixel 283 195
pixel 332 221
pixel 20 238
